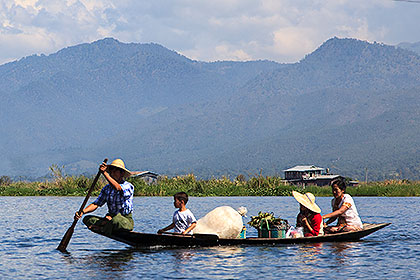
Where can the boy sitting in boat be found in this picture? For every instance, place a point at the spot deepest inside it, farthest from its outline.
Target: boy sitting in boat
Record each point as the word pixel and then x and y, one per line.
pixel 344 209
pixel 309 216
pixel 183 220
pixel 118 195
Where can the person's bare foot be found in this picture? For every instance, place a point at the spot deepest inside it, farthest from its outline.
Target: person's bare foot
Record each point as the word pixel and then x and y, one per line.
pixel 95 228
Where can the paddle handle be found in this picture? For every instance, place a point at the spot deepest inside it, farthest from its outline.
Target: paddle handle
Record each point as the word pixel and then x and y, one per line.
pixel 69 233
pixel 91 189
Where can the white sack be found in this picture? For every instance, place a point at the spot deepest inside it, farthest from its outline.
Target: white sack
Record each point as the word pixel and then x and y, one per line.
pixel 224 221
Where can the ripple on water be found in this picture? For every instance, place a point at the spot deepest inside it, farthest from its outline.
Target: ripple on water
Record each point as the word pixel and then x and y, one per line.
pixel 30 236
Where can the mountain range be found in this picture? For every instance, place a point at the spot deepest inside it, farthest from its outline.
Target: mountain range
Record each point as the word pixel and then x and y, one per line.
pixel 350 105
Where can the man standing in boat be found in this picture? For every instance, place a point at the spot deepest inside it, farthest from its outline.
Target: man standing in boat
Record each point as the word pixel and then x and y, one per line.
pixel 118 195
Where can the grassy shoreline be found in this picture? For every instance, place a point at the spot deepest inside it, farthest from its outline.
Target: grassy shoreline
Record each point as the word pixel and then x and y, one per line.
pixel 254 186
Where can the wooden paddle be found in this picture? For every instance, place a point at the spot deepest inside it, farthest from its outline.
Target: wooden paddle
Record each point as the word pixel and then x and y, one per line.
pixel 69 233
pixel 207 236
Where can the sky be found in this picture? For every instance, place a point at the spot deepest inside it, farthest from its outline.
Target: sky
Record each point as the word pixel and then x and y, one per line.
pixel 278 30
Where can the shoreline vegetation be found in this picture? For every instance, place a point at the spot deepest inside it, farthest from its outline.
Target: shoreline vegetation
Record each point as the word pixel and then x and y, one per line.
pixel 64 185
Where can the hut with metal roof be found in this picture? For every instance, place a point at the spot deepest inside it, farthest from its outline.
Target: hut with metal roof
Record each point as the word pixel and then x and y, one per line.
pixel 309 175
pixel 148 176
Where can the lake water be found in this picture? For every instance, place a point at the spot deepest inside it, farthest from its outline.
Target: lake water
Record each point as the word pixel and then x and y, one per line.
pixel 31 229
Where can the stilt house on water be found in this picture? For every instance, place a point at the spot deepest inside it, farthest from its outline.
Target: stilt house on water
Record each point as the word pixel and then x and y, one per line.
pixel 309 175
pixel 148 176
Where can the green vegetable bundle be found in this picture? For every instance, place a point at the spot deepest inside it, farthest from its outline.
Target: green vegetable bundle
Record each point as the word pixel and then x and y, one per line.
pixel 268 221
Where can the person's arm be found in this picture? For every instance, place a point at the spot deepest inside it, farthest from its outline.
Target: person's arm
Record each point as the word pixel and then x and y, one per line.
pixel 329 221
pixel 108 177
pixel 336 213
pixel 171 226
pixel 90 208
pixel 299 220
pixel 306 224
pixel 190 228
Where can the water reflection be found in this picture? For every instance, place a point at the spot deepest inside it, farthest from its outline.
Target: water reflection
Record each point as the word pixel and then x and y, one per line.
pixel 310 253
pixel 325 257
pixel 115 260
pixel 103 261
pixel 182 256
pixel 340 251
pixel 212 258
pixel 230 255
pixel 227 251
pixel 181 259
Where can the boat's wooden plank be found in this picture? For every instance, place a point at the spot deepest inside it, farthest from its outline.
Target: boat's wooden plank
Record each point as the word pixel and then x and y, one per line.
pixel 139 239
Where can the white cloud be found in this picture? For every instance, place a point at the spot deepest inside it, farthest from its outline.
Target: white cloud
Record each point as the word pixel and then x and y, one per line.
pixel 292 41
pixel 226 52
pixel 24 3
pixel 280 30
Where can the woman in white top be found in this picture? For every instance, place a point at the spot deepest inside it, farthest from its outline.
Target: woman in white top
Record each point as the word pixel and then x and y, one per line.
pixel 344 209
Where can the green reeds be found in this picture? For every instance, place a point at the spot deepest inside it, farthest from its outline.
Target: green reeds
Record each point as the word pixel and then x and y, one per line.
pixel 59 185
pixel 63 185
pixel 386 188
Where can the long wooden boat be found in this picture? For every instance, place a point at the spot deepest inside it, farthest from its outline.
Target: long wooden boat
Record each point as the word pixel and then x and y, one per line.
pixel 139 239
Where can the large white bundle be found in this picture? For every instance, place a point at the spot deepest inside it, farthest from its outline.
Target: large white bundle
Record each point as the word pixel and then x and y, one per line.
pixel 224 221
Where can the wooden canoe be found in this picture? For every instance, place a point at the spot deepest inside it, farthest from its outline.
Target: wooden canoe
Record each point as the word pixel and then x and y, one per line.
pixel 139 239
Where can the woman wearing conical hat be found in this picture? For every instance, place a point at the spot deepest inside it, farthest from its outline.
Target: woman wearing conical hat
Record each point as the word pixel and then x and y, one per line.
pixel 118 195
pixel 309 216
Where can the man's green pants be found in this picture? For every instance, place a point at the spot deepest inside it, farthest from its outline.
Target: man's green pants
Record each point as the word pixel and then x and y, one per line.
pixel 118 222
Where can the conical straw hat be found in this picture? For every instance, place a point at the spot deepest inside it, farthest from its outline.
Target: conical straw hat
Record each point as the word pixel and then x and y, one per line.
pixel 119 163
pixel 307 200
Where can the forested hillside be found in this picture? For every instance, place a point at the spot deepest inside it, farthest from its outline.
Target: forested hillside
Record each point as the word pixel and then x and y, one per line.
pixel 349 105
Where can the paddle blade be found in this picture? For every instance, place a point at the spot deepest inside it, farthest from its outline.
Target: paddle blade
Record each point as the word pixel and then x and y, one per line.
pixel 66 238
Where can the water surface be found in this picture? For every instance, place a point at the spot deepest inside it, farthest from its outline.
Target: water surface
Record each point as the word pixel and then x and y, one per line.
pixel 31 229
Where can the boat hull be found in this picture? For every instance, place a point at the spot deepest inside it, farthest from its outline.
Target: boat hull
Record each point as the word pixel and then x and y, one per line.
pixel 139 239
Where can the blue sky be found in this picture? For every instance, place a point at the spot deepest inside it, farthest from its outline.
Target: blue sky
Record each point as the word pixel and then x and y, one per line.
pixel 279 30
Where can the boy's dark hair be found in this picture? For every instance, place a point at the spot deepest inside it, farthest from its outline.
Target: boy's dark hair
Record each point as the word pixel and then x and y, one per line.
pixel 181 196
pixel 339 183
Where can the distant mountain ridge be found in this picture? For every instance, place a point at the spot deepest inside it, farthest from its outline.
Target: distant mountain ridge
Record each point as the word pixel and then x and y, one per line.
pixel 415 47
pixel 346 106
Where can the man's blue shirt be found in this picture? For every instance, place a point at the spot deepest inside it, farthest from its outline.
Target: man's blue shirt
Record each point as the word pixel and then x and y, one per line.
pixel 117 201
